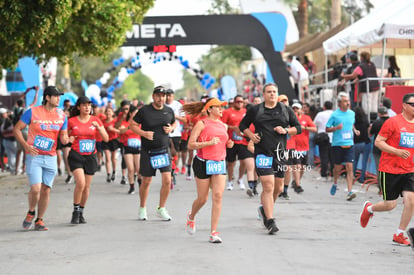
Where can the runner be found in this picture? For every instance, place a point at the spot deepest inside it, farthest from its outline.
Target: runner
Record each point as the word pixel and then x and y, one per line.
pixel 272 121
pixel 132 146
pixel 45 122
pixel 396 142
pixel 156 121
pixel 209 137
pixel 83 129
pixel 110 148
pixel 341 123
pixel 232 118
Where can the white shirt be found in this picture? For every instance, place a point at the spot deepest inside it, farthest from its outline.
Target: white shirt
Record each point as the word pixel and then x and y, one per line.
pixel 176 107
pixel 296 69
pixel 320 121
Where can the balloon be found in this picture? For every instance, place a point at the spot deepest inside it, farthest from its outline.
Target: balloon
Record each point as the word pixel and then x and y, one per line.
pixel 121 60
pixel 111 89
pixel 116 62
pixel 93 90
pixel 103 81
pixel 106 75
pixel 99 83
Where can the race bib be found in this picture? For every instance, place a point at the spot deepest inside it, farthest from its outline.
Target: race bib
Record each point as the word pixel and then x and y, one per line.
pixel 237 137
pixel 263 161
pixel 215 167
pixel 134 142
pixel 346 135
pixel 43 143
pixel 407 140
pixel 160 161
pixel 86 145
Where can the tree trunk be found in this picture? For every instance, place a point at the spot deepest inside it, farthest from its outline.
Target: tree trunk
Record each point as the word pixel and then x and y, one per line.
pixel 335 13
pixel 303 18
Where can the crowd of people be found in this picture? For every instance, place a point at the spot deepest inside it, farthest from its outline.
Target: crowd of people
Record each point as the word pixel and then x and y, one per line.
pixel 273 139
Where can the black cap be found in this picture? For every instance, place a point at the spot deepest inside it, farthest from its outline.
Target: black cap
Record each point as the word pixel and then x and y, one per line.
pixel 159 89
pixel 51 90
pixel 170 91
pixel 382 110
pixel 83 99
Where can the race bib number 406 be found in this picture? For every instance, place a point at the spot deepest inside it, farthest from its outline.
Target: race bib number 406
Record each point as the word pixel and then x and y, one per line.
pixel 43 143
pixel 407 140
pixel 215 167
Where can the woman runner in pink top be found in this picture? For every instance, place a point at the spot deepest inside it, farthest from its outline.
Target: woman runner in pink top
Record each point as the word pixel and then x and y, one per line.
pixel 209 136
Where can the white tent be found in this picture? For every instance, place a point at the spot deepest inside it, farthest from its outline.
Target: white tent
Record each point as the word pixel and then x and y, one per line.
pixel 393 20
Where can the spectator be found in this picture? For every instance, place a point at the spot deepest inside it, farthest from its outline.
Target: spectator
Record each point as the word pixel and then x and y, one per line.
pixel 362 142
pixel 299 74
pixel 388 103
pixel 393 69
pixel 9 141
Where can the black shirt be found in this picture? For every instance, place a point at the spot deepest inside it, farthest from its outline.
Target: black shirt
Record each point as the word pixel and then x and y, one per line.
pixel 154 120
pixel 375 129
pixel 362 126
pixel 266 122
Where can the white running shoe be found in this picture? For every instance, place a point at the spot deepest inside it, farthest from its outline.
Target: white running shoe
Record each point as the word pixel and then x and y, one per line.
pixel 241 184
pixel 214 237
pixel 191 228
pixel 229 186
pixel 163 214
pixel 142 214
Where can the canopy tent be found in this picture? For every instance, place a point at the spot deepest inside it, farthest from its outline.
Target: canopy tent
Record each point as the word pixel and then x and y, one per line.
pixel 393 20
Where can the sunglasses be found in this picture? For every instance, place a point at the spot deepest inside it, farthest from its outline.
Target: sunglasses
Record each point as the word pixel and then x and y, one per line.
pixel 410 103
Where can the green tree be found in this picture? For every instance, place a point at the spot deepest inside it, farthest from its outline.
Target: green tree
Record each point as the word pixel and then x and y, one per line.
pixel 59 28
pixel 137 86
pixel 192 88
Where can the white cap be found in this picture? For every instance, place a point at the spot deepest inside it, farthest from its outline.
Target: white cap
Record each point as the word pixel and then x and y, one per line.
pixel 3 110
pixel 297 105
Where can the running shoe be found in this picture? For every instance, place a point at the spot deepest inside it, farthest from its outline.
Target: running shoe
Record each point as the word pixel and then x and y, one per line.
pixel 189 178
pixel 163 214
pixel 410 233
pixel 241 184
pixel 214 237
pixel 123 180
pixel 284 195
pixel 229 186
pixel 176 170
pixel 113 176
pixel 131 190
pixel 108 178
pixel 255 191
pixel 293 184
pixel 298 189
pixel 40 226
pixel 59 172
pixel 81 218
pixel 68 179
pixel 400 239
pixel 365 216
pixel 28 221
pixel 183 170
pixel 351 195
pixel 142 214
pixel 249 193
pixel 75 217
pixel 271 226
pixel 191 228
pixel 262 215
pixel 333 189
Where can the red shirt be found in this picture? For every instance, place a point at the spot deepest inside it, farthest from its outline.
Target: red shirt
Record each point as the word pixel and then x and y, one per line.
pixel 400 134
pixel 213 128
pixel 129 138
pixel 233 117
pixel 302 140
pixel 85 134
pixel 111 134
pixel 290 142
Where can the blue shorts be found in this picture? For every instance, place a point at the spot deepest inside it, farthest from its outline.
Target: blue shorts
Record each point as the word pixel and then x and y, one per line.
pixel 343 155
pixel 41 169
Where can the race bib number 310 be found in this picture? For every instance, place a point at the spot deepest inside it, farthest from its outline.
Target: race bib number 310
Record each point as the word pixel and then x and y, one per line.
pixel 263 161
pixel 215 167
pixel 160 161
pixel 43 143
pixel 407 140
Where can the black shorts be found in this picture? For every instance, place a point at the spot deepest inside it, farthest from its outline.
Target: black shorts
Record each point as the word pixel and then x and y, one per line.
pixel 132 150
pixel 238 150
pixel 89 163
pixel 199 168
pixel 59 144
pixel 293 159
pixel 176 141
pixel 301 156
pixel 183 145
pixel 277 169
pixel 146 168
pixel 111 145
pixel 99 146
pixel 392 185
pixel 343 155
